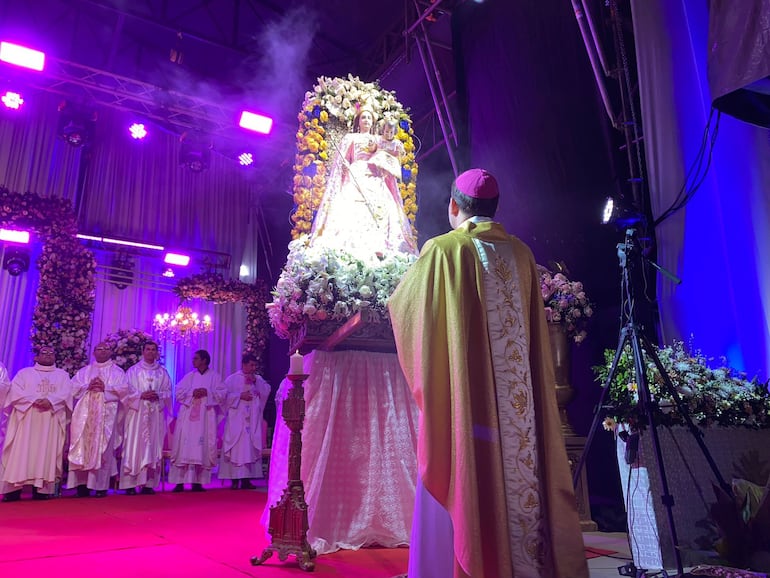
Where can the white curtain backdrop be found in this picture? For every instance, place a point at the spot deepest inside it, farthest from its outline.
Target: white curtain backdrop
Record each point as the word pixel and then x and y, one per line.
pixel 138 191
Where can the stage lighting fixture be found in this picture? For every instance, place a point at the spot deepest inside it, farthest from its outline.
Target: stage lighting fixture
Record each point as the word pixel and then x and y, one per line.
pixel 22 56
pixel 76 124
pixel 137 131
pixel 121 271
pixel 243 271
pixel 195 152
pixel 169 272
pixel 246 159
pixel 618 214
pixel 12 100
pixel 256 122
pixel 177 259
pixel 14 236
pixel 16 261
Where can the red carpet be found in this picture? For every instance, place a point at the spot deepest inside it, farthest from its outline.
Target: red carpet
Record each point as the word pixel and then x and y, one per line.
pixel 209 535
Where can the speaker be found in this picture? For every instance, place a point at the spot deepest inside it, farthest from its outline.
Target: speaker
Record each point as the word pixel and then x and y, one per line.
pixel 739 59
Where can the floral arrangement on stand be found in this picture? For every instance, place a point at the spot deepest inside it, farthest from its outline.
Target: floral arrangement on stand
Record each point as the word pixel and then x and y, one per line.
pixel 127 346
pixel 65 296
pixel 565 302
pixel 318 284
pixel 327 115
pixel 713 397
pixel 254 297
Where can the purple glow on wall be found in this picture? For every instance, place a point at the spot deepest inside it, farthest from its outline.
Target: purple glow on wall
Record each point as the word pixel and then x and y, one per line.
pixel 22 56
pixel 177 259
pixel 14 236
pixel 256 122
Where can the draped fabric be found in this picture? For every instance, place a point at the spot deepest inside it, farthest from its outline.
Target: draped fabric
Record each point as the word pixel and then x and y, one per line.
pixel 718 243
pixel 359 462
pixel 137 191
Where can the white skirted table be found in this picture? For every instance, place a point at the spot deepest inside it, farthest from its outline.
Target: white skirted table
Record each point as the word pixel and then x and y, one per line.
pixel 359 462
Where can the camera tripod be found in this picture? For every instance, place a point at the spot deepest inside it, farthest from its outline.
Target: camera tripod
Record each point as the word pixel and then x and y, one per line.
pixel 641 349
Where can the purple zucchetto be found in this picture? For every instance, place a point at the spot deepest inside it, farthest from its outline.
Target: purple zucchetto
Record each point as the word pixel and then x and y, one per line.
pixel 477 183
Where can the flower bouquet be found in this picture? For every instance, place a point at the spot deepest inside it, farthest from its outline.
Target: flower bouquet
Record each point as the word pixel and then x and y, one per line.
pixel 720 396
pixel 127 345
pixel 565 303
pixel 318 284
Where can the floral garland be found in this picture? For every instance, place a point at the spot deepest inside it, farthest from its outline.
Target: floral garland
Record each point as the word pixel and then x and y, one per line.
pixel 213 287
pixel 565 303
pixel 318 283
pixel 127 346
pixel 327 113
pixel 65 295
pixel 719 396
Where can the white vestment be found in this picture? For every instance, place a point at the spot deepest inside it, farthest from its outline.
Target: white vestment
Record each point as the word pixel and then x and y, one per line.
pixel 242 440
pixel 34 444
pixel 5 386
pixel 194 445
pixel 93 430
pixel 145 428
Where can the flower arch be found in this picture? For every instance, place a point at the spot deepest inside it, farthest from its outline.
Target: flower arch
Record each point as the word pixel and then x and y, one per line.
pixel 65 295
pixel 213 287
pixel 327 115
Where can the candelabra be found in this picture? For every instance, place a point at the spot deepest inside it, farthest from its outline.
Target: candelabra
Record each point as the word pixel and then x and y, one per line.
pixel 288 518
pixel 182 325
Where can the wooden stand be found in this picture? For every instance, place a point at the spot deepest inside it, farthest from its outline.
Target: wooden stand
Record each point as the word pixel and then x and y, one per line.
pixel 288 518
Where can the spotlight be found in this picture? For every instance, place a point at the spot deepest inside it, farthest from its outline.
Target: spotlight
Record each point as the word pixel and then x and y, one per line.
pixel 22 56
pixel 256 122
pixel 245 159
pixel 12 100
pixel 195 152
pixel 169 272
pixel 16 261
pixel 137 131
pixel 244 271
pixel 618 214
pixel 76 124
pixel 177 259
pixel 14 236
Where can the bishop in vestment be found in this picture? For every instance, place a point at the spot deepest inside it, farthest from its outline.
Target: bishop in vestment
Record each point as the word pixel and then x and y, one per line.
pixel 244 404
pixel 194 443
pixel 37 404
pixel 494 496
pixel 147 407
pixel 99 388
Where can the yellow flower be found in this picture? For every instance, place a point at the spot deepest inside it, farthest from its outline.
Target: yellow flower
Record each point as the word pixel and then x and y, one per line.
pixel 323 155
pixel 324 116
pixel 609 424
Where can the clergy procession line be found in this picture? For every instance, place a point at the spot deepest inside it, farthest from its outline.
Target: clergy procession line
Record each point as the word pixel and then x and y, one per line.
pixel 115 423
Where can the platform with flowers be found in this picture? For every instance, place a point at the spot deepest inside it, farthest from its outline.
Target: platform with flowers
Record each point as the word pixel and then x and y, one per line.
pixel 733 416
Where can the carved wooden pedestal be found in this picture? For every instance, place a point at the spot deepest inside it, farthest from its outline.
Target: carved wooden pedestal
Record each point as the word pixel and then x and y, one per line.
pixel 575 447
pixel 288 518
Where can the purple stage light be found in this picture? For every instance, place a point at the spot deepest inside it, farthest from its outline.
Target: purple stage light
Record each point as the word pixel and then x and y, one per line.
pixel 22 56
pixel 137 130
pixel 245 159
pixel 177 259
pixel 14 236
pixel 256 122
pixel 119 242
pixel 12 100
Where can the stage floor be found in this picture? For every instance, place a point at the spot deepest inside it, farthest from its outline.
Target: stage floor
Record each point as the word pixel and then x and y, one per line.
pixel 196 535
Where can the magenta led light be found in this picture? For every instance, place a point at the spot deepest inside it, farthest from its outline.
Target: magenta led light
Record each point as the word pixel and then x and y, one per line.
pixel 12 100
pixel 138 131
pixel 21 56
pixel 177 259
pixel 14 236
pixel 256 122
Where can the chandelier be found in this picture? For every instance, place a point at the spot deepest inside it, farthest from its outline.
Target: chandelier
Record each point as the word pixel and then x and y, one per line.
pixel 182 325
